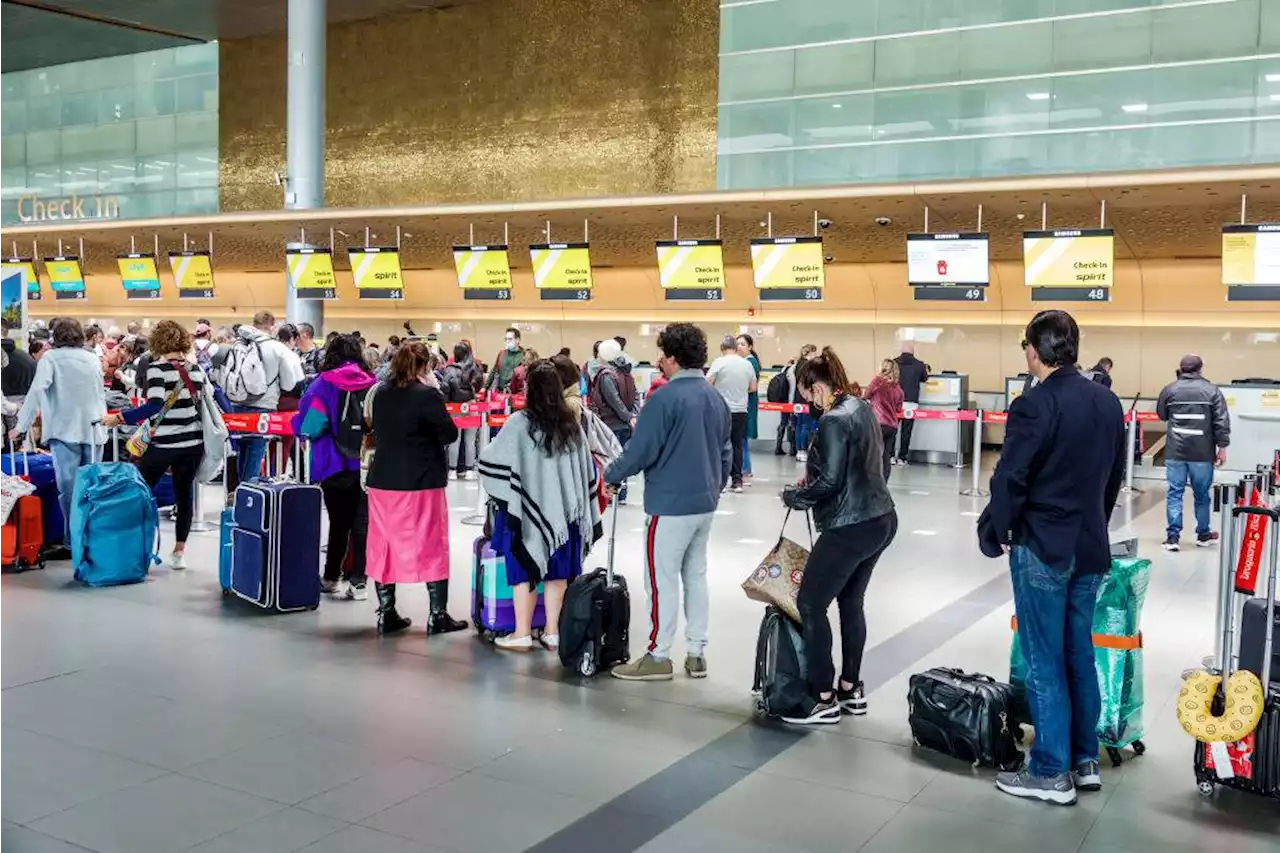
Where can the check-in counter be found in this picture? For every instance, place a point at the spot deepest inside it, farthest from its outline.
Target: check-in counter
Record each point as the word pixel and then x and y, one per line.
pixel 942 441
pixel 643 374
pixel 1013 388
pixel 1254 406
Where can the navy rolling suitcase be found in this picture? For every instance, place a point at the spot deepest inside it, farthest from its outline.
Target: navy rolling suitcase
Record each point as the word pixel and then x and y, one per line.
pixel 275 545
pixel 38 468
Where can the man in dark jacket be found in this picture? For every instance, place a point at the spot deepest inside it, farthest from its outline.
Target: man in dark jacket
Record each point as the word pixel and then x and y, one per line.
pixel 1196 440
pixel 613 395
pixel 912 372
pixel 1052 495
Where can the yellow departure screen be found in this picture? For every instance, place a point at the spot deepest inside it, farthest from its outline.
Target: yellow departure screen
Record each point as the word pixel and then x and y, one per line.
pixel 311 273
pixel 27 267
pixel 484 272
pixel 193 274
pixel 65 277
pixel 788 267
pixel 691 269
pixel 377 274
pixel 1069 258
pixel 562 270
pixel 139 276
pixel 1251 254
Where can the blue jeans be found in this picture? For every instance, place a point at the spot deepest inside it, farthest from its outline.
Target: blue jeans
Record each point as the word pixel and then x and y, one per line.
pixel 623 434
pixel 1200 475
pixel 68 458
pixel 804 426
pixel 746 456
pixel 1055 629
pixel 252 450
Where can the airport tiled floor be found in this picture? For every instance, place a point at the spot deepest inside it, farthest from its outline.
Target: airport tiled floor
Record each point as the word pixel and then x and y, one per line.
pixel 162 717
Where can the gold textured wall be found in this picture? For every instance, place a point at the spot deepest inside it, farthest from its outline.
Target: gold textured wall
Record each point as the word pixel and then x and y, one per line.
pixel 486 101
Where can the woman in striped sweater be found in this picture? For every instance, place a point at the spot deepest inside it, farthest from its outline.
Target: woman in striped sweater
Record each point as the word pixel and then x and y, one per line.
pixel 177 444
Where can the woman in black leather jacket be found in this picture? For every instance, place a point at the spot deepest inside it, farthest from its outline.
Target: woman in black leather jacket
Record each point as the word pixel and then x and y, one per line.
pixel 844 486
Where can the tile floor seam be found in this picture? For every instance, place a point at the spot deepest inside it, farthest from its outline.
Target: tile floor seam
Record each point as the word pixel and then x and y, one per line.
pixel 59 840
pixel 93 799
pixel 345 825
pixel 164 771
pixel 53 677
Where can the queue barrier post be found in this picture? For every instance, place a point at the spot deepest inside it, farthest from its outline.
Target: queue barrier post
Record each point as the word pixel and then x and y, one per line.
pixel 1131 447
pixel 975 490
pixel 959 463
pixel 477 518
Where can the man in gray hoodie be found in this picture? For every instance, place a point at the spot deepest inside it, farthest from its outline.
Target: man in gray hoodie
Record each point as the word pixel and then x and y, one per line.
pixel 681 443
pixel 613 396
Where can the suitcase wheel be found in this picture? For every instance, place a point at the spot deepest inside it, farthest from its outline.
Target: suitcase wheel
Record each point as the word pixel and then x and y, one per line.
pixel 587 664
pixel 1206 788
pixel 1114 754
pixel 1138 747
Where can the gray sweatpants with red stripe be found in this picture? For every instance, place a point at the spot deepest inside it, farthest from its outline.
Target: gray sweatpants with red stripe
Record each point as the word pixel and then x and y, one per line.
pixel 675 552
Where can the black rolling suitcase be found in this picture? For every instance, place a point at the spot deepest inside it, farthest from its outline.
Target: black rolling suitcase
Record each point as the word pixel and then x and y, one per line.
pixel 1253 763
pixel 595 620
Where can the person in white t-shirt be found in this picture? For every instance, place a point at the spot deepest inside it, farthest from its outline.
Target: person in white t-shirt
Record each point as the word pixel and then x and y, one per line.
pixel 735 379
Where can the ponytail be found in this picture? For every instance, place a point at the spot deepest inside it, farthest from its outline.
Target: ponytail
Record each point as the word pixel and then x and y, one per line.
pixel 826 367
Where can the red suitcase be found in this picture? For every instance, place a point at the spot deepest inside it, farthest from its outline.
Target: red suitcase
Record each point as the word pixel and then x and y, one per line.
pixel 22 540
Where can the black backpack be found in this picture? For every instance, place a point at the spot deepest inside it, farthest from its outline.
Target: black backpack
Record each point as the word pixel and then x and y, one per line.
pixel 781 680
pixel 348 428
pixel 779 389
pixel 456 387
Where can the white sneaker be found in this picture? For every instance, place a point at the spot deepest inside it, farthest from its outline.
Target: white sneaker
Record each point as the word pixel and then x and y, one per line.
pixel 357 593
pixel 802 456
pixel 453 475
pixel 328 587
pixel 470 476
pixel 342 589
pixel 178 560
pixel 515 644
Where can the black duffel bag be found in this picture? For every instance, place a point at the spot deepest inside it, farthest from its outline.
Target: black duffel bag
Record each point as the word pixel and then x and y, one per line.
pixel 965 715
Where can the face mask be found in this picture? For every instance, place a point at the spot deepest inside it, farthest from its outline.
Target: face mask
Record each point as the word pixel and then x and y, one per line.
pixel 512 346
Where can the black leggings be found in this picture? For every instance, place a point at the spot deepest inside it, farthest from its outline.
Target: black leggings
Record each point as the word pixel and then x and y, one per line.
pixel 183 463
pixel 839 570
pixel 737 435
pixel 348 508
pixel 889 436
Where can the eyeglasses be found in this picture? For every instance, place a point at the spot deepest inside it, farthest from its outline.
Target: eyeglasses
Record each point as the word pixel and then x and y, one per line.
pixel 1025 343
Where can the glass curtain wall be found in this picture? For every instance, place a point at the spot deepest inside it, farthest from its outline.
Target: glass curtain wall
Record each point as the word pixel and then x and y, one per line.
pixel 126 136
pixel 826 92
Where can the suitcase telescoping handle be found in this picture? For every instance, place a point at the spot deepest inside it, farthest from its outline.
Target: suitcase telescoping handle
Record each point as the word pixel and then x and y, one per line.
pixel 1273 576
pixel 613 537
pixel 13 455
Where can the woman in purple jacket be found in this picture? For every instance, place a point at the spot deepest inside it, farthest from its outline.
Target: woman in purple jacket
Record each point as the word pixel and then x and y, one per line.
pixel 330 414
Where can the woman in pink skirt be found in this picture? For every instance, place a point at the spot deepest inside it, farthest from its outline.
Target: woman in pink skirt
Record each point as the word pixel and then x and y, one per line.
pixel 408 514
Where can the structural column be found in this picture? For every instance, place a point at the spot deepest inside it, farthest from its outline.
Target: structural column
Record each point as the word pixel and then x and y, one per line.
pixel 305 187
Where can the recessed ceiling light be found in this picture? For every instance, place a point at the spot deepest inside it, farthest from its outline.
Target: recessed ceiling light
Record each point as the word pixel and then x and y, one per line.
pixel 1273 78
pixel 1134 108
pixel 836 106
pixel 1275 97
pixel 1037 96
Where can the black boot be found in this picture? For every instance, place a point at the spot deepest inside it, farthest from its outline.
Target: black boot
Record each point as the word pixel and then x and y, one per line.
pixel 389 621
pixel 439 621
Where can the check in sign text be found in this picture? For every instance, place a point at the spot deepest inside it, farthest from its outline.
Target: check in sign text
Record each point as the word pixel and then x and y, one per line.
pixel 484 272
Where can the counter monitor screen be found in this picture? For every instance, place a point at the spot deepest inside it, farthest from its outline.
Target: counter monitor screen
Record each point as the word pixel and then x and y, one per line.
pixel 1069 265
pixel 139 276
pixel 193 274
pixel 311 273
pixel 691 270
pixel 1251 261
pixel 947 259
pixel 65 277
pixel 484 272
pixel 788 268
pixel 376 272
pixel 27 267
pixel 562 271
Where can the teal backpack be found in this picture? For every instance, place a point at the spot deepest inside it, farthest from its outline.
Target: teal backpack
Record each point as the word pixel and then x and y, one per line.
pixel 115 526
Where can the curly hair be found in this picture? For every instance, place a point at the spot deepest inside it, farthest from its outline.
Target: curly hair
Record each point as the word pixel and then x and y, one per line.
pixel 343 349
pixel 686 343
pixel 168 336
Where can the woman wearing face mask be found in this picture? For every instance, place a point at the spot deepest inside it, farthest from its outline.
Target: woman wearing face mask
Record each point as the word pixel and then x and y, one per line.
pixel 747 349
pixel 844 487
pixel 408 513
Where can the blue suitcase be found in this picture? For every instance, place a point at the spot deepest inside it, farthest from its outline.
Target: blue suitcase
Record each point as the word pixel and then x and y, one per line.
pixel 224 548
pixel 39 467
pixel 275 545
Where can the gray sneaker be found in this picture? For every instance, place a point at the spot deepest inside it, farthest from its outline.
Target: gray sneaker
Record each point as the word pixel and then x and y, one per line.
pixel 695 666
pixel 1087 776
pixel 647 668
pixel 1058 790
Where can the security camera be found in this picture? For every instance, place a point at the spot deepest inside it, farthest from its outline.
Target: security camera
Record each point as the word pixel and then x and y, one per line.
pixel 883 221
pixel 828 259
pixel 824 223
